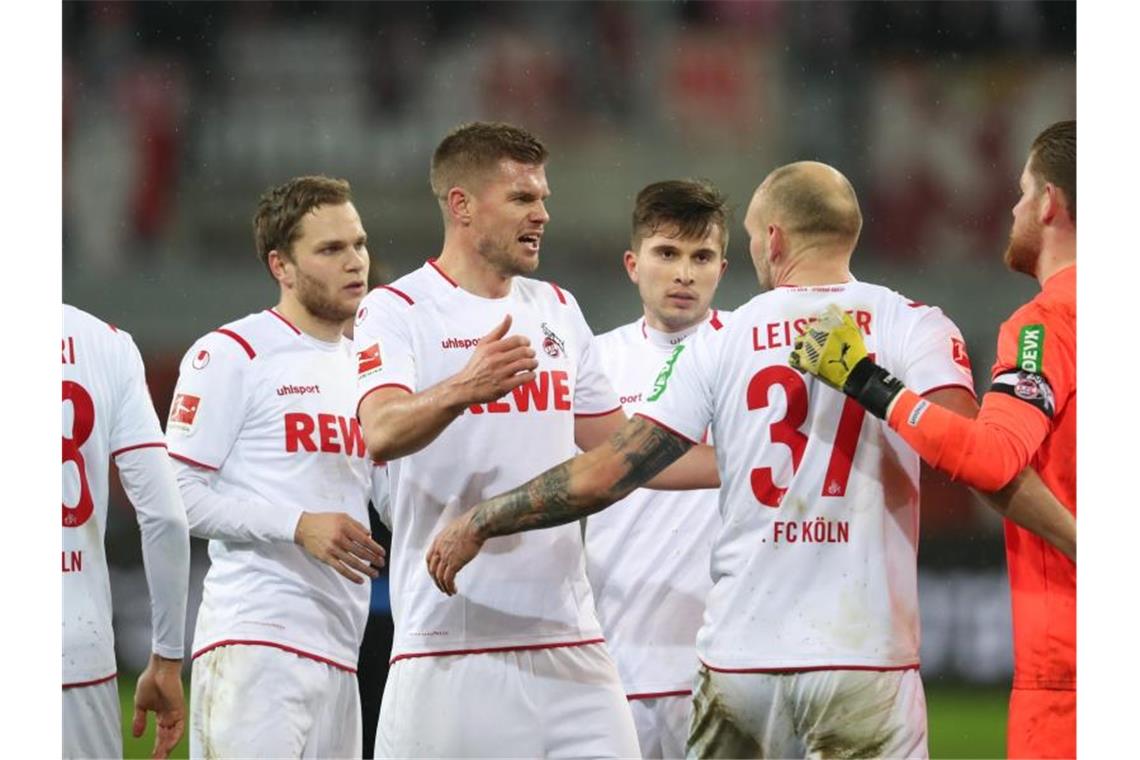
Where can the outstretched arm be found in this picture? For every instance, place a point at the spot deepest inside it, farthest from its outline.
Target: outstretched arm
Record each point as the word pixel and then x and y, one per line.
pixel 578 487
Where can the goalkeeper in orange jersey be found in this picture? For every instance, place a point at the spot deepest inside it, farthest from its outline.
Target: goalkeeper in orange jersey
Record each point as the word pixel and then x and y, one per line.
pixel 1029 417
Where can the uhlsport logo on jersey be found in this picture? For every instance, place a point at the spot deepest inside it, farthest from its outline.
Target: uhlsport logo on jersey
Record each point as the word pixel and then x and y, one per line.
pixel 552 344
pixel 368 360
pixel 201 359
pixel 666 372
pixel 183 411
pixel 1031 348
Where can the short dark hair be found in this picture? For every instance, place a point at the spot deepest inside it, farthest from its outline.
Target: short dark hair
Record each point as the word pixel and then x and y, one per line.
pixel 477 147
pixel 280 210
pixel 687 208
pixel 1053 159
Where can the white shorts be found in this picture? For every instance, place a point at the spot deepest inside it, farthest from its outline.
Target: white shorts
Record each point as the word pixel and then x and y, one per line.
pixel 558 702
pixel 260 701
pixel 92 722
pixel 662 725
pixel 825 713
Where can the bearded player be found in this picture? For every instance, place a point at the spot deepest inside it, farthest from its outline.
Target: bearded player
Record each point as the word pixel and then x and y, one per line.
pixel 648 558
pixel 108 414
pixel 273 470
pixel 1029 417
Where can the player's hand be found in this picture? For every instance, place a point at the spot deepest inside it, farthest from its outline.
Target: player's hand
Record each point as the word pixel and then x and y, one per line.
pixel 453 547
pixel 159 690
pixel 341 543
pixel 830 347
pixel 498 365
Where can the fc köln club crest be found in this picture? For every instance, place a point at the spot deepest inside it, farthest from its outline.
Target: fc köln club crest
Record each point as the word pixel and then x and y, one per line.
pixel 552 344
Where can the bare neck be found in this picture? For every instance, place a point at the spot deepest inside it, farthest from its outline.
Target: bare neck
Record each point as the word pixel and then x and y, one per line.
pixel 1058 250
pixel 462 263
pixel 306 322
pixel 815 265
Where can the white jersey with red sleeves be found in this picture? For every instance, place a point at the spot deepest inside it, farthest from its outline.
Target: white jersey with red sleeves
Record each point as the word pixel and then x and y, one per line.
pixel 647 556
pixel 815 564
pixel 528 589
pixel 269 410
pixel 107 410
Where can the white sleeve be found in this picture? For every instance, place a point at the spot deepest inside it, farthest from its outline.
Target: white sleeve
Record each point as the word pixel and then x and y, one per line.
pixel 209 404
pixel 383 344
pixel 135 422
pixel 934 355
pixel 681 398
pixel 225 518
pixel 593 392
pixel 381 496
pixel 147 478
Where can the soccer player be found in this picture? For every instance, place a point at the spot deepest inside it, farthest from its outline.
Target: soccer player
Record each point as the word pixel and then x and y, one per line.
pixel 515 665
pixel 273 471
pixel 107 412
pixel 648 559
pixel 810 639
pixel 1028 417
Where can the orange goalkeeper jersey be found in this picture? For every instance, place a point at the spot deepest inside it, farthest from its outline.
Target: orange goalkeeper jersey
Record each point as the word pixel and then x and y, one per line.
pixel 1041 338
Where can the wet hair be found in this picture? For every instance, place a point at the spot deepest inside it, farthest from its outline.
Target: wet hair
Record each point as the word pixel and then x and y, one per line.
pixel 281 209
pixel 474 149
pixel 1053 159
pixel 682 208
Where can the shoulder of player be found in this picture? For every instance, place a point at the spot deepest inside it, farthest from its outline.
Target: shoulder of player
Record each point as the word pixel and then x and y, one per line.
pixel 621 334
pixel 547 291
pixel 86 326
pixel 249 338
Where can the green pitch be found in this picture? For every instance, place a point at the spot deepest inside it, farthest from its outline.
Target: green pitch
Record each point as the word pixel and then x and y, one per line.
pixel 964 722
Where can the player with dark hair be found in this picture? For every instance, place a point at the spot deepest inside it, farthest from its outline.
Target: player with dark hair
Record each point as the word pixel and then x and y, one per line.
pixel 1029 417
pixel 648 559
pixel 274 472
pixel 515 664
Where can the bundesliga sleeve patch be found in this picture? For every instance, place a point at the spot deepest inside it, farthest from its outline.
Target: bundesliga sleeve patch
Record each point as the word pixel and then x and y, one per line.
pixel 368 360
pixel 1030 387
pixel 183 411
pixel 958 353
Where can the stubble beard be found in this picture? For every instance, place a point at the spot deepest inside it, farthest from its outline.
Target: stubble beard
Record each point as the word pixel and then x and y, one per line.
pixel 497 254
pixel 311 293
pixel 1023 250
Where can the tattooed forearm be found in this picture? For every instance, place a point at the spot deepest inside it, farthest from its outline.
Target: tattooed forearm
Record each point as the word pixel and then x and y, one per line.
pixel 647 450
pixel 583 485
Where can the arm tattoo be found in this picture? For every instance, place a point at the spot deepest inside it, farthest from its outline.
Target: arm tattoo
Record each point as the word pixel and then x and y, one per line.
pixel 636 452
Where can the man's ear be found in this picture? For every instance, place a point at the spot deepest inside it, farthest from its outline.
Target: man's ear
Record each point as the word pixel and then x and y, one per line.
pixel 776 242
pixel 629 260
pixel 459 206
pixel 281 267
pixel 1053 202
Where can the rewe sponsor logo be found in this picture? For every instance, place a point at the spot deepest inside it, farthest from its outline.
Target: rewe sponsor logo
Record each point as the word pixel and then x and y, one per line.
pixel 459 343
pixel 550 390
pixel 327 433
pixel 297 390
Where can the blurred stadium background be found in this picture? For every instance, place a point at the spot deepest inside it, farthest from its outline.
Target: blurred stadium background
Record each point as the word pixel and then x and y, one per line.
pixel 177 116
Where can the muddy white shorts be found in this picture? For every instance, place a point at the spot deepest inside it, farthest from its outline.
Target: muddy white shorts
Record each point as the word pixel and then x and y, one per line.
pixel 662 725
pixel 555 702
pixel 92 723
pixel 825 713
pixel 260 701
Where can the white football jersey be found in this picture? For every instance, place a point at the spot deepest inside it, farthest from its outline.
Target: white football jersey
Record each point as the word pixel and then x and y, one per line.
pixel 815 564
pixel 270 411
pixel 107 411
pixel 647 556
pixel 528 589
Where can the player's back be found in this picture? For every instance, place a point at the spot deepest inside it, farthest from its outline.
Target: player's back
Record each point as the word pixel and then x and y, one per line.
pixel 104 390
pixel 815 564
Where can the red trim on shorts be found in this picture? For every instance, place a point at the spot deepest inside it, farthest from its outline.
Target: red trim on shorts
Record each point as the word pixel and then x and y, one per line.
pixel 378 387
pixel 138 446
pixel 597 414
pixel 490 650
pixel 292 326
pixel 275 645
pixel 659 694
pixel 442 273
pixel 715 321
pixel 813 668
pixel 96 682
pixel 241 341
pixel 950 385
pixel 398 292
pixel 558 291
pixel 188 460
pixel 666 427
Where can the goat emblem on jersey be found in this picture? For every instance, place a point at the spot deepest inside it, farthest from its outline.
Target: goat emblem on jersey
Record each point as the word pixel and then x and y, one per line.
pixel 552 344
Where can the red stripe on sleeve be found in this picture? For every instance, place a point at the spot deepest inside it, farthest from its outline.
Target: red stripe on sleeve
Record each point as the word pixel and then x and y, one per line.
pixel 138 446
pixel 192 462
pixel 663 426
pixel 400 293
pixel 241 341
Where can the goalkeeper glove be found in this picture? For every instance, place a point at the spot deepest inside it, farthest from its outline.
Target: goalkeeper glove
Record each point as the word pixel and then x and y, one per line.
pixel 832 349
